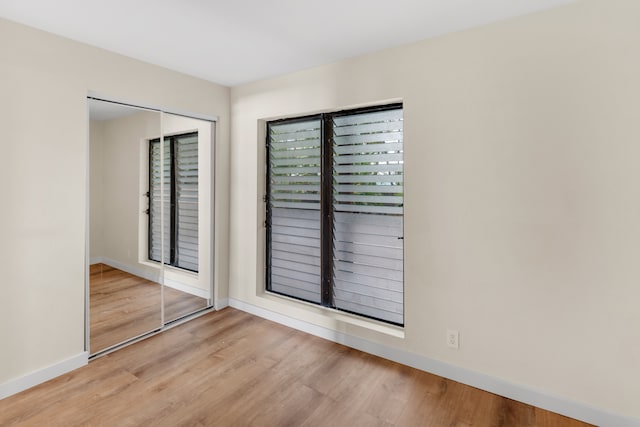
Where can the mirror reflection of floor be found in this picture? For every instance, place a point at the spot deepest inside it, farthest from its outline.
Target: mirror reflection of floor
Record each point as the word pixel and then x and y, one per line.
pixel 123 306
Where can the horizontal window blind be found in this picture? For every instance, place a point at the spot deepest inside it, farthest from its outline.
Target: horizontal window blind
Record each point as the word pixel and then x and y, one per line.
pixel 159 173
pixel 368 214
pixel 186 212
pixel 173 192
pixel 335 211
pixel 294 182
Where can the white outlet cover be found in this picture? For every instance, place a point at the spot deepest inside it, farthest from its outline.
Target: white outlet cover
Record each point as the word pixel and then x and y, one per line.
pixel 453 339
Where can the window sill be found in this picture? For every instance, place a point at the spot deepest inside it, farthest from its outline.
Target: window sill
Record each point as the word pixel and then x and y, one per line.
pixel 169 268
pixel 337 315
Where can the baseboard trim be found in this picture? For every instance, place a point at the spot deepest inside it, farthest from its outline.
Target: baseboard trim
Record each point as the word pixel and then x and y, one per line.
pixel 32 379
pixel 519 392
pixel 97 260
pixel 186 288
pixel 220 304
pixel 149 275
pixel 136 271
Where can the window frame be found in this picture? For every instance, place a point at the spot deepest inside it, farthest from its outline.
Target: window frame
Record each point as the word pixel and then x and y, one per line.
pixel 326 206
pixel 173 205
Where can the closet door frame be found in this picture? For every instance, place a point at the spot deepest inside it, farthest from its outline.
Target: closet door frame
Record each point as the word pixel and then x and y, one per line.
pixel 91 95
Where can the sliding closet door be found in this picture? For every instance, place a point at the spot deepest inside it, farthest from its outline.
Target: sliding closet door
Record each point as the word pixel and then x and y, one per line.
pixel 151 221
pixel 125 292
pixel 188 215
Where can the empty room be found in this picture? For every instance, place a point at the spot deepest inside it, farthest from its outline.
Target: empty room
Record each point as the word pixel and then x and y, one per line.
pixel 290 213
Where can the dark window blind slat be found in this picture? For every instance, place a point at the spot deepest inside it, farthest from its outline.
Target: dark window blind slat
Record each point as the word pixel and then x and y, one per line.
pixel 368 214
pixel 181 170
pixel 365 158
pixel 294 181
pixel 160 173
pixel 186 211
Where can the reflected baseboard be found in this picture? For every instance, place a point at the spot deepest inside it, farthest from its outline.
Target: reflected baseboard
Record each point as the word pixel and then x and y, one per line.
pixel 150 275
pixel 131 269
pixel 222 303
pixel 97 260
pixel 186 288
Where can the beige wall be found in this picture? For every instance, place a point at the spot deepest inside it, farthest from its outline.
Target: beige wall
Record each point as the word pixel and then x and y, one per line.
pixel 121 195
pixel 522 196
pixel 96 199
pixel 44 82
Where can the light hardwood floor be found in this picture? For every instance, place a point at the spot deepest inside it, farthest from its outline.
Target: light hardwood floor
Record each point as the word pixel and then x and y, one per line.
pixel 230 368
pixel 123 306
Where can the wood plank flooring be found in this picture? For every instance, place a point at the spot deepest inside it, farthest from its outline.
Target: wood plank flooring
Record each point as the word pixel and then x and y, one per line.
pixel 230 368
pixel 123 306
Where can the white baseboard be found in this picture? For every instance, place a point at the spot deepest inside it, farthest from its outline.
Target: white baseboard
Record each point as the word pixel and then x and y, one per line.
pixel 220 304
pixel 96 260
pixel 131 269
pixel 183 287
pixel 150 275
pixel 519 392
pixel 34 378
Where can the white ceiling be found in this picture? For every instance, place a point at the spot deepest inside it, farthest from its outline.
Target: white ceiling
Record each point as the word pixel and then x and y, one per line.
pixel 237 41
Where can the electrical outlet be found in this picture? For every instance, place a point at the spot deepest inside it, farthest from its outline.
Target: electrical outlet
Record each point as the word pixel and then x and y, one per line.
pixel 453 339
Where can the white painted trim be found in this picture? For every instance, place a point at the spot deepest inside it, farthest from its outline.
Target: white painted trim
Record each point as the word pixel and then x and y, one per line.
pixel 186 288
pixel 136 271
pixel 519 392
pixel 220 304
pixel 87 230
pixel 102 97
pixel 97 260
pixel 17 385
pixel 146 274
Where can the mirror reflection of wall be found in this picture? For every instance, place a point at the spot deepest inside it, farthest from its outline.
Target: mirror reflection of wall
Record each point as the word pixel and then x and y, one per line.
pixel 188 225
pixel 125 298
pixel 150 199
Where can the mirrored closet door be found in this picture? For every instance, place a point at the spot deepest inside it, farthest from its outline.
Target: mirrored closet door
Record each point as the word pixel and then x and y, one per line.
pixel 188 214
pixel 151 221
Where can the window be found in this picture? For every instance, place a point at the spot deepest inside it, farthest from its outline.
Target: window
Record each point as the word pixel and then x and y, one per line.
pixel 179 174
pixel 335 210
